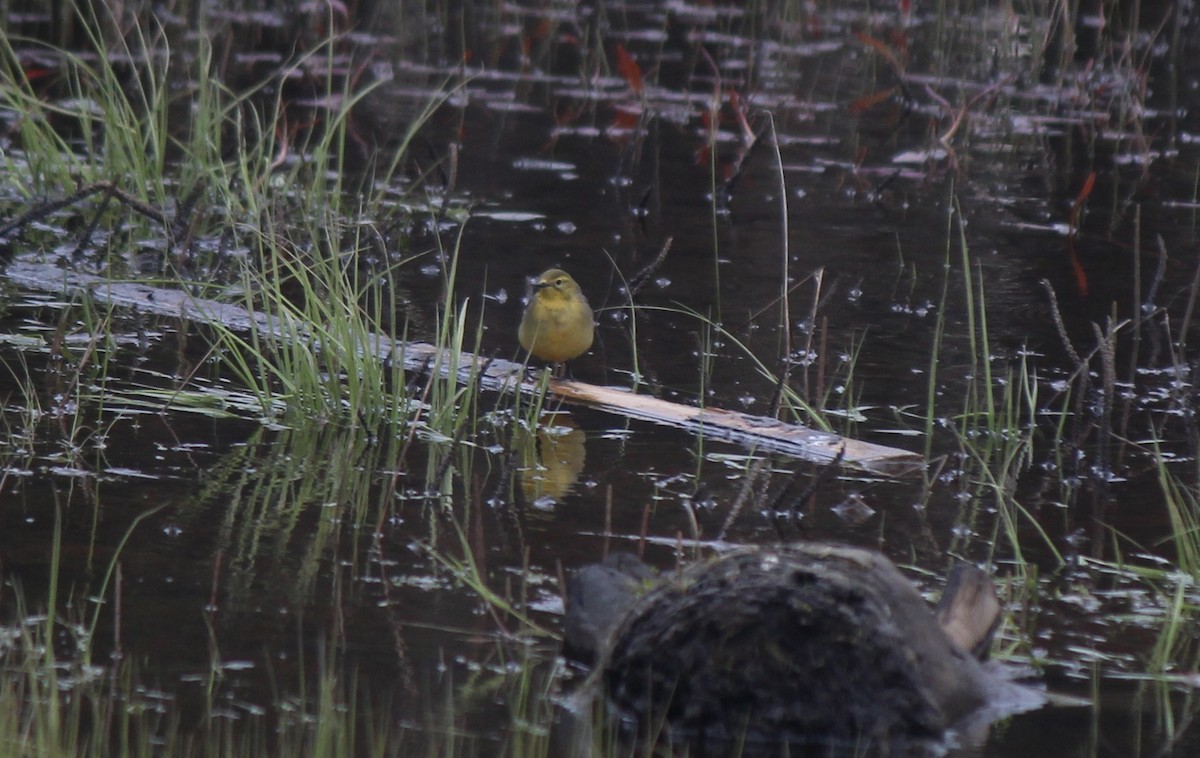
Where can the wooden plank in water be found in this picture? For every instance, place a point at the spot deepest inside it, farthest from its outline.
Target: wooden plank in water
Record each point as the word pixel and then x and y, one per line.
pixel 758 432
pixel 755 431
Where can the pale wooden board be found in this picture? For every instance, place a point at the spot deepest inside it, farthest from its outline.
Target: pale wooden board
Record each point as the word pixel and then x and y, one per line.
pixel 756 432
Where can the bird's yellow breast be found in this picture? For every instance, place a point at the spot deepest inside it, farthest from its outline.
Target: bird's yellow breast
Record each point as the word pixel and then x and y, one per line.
pixel 557 325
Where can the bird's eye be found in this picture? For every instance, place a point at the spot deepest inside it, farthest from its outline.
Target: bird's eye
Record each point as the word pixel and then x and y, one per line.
pixel 559 282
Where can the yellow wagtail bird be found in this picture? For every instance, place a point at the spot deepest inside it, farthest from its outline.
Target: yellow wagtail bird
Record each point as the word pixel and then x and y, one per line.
pixel 557 325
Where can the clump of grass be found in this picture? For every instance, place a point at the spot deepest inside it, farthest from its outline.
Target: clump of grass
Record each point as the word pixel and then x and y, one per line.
pixel 308 224
pixel 67 693
pixel 57 704
pixel 307 221
pixel 789 401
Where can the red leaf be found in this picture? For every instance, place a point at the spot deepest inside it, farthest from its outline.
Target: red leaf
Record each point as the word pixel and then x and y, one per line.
pixel 1081 280
pixel 629 69
pixel 38 72
pixel 867 102
pixel 626 119
pixel 739 113
pixel 1088 185
pixel 564 114
pixel 542 30
pixel 879 47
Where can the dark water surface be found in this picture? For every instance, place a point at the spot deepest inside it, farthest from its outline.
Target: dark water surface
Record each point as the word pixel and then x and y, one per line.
pixel 257 546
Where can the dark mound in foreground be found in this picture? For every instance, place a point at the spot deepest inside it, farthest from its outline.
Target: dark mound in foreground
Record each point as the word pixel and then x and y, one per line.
pixel 801 644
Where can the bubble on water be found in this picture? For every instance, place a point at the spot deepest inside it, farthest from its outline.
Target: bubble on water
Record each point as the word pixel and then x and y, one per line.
pixel 854 509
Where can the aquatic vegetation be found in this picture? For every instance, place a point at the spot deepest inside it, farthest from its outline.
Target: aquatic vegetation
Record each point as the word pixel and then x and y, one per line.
pixel 841 216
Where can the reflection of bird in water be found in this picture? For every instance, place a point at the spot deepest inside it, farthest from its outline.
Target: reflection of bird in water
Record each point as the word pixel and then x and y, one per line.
pixel 551 460
pixel 557 325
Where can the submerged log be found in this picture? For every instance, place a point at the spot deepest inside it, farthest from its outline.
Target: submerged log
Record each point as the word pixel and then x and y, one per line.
pixel 800 645
pixel 757 432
